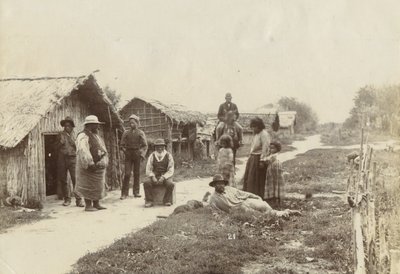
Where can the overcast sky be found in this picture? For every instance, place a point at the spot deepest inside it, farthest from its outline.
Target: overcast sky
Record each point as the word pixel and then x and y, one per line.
pixel 193 52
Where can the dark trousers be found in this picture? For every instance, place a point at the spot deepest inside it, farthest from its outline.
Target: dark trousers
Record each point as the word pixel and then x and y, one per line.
pixel 148 190
pixel 66 164
pixel 132 163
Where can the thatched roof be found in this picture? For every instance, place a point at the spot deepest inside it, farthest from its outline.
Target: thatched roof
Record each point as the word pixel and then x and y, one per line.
pixel 176 112
pixel 245 118
pixel 23 102
pixel 287 118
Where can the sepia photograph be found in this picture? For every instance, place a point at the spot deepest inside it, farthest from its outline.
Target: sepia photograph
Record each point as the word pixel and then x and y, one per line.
pixel 199 136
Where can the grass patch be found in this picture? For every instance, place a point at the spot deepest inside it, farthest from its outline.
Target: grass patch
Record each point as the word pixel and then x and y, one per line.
pixel 200 242
pixel 9 217
pixel 190 170
pixel 318 170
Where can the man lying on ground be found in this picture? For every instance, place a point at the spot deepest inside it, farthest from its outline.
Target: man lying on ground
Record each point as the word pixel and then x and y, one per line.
pixel 226 198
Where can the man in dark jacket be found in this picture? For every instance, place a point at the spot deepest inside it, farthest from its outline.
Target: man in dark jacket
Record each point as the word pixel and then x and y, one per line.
pixel 228 111
pixel 226 107
pixel 134 145
pixel 66 160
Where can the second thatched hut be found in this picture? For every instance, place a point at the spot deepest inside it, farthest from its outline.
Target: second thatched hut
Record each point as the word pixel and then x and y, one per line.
pixel 173 122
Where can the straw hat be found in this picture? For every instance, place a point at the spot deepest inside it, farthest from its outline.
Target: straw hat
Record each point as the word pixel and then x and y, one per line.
pixel 92 119
pixel 67 119
pixel 159 142
pixel 134 117
pixel 218 178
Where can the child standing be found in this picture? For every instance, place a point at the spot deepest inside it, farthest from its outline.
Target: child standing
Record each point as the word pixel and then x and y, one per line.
pixel 225 159
pixel 274 182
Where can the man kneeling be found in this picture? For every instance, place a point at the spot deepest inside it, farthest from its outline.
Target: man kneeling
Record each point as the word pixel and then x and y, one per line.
pixel 226 198
pixel 159 170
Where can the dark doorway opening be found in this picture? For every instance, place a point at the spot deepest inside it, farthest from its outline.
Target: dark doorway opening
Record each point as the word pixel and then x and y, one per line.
pixel 50 150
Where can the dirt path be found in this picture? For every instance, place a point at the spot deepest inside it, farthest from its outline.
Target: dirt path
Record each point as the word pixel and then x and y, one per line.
pixel 53 245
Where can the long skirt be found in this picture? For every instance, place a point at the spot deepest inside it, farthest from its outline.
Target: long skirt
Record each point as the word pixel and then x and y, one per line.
pixel 90 183
pixel 274 183
pixel 254 176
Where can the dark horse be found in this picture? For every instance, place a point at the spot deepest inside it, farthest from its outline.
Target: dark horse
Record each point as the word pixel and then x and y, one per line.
pixel 232 128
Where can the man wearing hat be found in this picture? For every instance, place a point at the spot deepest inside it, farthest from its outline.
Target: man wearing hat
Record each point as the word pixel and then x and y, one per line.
pixel 225 111
pixel 159 170
pixel 224 108
pixel 134 145
pixel 66 160
pixel 226 198
pixel 92 161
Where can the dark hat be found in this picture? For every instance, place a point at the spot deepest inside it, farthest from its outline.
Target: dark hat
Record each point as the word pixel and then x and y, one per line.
pixel 159 142
pixel 217 178
pixel 228 95
pixel 67 119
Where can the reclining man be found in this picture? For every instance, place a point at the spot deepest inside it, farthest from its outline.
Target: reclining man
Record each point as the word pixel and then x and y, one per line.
pixel 226 198
pixel 159 170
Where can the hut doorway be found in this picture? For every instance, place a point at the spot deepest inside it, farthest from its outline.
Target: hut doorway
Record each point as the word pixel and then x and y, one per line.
pixel 50 150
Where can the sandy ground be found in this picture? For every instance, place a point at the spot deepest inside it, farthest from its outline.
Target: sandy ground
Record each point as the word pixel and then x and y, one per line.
pixel 54 245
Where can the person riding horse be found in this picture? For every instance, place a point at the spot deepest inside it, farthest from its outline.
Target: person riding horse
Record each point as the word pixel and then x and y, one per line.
pixel 232 128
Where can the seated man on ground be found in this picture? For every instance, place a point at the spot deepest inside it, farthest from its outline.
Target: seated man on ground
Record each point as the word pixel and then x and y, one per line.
pixel 226 198
pixel 159 170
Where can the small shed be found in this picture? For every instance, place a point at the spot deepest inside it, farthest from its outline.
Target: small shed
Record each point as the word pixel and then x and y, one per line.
pixel 206 134
pixel 30 114
pixel 287 122
pixel 173 122
pixel 271 121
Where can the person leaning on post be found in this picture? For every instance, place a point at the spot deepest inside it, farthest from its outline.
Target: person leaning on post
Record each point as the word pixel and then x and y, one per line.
pixel 134 145
pixel 159 171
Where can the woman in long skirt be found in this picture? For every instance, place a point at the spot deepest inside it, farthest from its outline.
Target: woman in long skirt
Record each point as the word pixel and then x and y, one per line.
pixel 255 174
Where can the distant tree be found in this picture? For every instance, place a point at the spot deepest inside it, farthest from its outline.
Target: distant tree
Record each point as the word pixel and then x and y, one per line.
pixel 306 118
pixel 113 95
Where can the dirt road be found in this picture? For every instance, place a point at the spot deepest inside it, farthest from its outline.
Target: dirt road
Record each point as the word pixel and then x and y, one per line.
pixel 53 245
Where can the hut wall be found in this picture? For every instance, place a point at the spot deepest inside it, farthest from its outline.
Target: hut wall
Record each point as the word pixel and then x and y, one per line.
pixel 70 106
pixel 77 109
pixel 13 173
pixel 153 122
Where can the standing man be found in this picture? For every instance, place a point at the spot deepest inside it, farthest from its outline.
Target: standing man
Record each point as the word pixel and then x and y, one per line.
pixel 134 145
pixel 66 161
pixel 159 170
pixel 92 160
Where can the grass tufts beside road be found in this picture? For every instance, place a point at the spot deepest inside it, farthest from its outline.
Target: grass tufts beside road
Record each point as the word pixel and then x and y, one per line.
pixel 10 217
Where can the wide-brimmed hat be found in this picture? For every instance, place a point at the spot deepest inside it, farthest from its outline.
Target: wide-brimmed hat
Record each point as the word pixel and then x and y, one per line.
pixel 67 119
pixel 218 178
pixel 159 142
pixel 228 95
pixel 92 119
pixel 134 117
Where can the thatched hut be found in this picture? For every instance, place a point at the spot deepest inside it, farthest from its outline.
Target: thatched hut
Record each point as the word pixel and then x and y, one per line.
pixel 287 122
pixel 172 122
pixel 271 121
pixel 30 114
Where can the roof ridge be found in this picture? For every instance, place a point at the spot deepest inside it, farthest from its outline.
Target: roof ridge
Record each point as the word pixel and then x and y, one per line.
pixel 43 78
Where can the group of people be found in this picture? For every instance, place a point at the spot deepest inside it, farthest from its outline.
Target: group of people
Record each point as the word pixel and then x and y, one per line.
pixel 263 175
pixel 86 160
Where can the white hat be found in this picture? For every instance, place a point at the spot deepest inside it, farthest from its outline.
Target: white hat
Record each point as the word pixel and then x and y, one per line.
pixel 134 117
pixel 92 119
